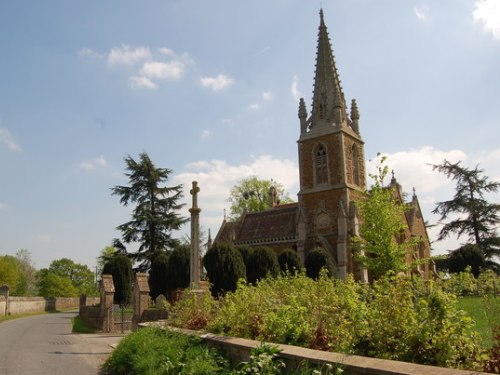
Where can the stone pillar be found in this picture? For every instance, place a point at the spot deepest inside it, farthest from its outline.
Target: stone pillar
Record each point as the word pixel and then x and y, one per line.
pixel 83 300
pixel 342 243
pixel 141 297
pixel 107 291
pixel 4 291
pixel 195 238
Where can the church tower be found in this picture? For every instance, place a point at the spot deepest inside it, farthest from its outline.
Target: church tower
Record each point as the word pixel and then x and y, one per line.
pixel 331 165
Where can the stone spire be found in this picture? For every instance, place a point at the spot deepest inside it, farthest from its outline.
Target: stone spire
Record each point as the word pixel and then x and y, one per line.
pixel 329 105
pixel 354 116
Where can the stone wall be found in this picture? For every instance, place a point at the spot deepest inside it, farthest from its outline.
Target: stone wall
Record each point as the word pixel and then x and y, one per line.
pixel 26 305
pixel 90 316
pixel 3 305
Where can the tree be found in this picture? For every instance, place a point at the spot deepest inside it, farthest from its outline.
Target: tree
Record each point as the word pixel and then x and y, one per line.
pixel 262 262
pixel 155 216
pixel 254 195
pixel 51 284
pixel 477 218
pixel 467 256
pixel 120 267
pixel 27 274
pixel 289 261
pixel 178 272
pixel 224 268
pixel 158 275
pixel 9 272
pixel 316 260
pixel 382 247
pixel 106 254
pixel 81 277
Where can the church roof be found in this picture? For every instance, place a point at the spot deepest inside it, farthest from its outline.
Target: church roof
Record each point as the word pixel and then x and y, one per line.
pixel 278 224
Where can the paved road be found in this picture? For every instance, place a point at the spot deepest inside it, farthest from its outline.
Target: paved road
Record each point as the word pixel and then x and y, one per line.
pixel 44 344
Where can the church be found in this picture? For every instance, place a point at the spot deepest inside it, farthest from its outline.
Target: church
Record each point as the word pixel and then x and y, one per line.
pixel 332 178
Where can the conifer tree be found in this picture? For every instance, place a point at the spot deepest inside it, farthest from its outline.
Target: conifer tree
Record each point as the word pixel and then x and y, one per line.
pixel 155 215
pixel 477 219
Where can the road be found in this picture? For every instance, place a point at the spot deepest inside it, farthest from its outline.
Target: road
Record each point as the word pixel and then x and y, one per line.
pixel 44 344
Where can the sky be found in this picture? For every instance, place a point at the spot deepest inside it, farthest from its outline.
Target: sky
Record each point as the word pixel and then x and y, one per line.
pixel 210 90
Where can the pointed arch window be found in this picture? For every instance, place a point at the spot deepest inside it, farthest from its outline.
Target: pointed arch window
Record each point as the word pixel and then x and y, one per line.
pixel 355 165
pixel 321 165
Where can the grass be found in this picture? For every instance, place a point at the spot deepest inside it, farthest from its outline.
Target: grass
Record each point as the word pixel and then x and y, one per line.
pixel 80 327
pixel 486 313
pixel 4 318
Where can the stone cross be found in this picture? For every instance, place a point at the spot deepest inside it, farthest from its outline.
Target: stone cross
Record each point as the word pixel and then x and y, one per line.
pixel 195 238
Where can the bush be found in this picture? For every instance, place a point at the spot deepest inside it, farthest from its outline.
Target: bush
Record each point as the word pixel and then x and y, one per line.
pixel 261 263
pixel 289 261
pixel 316 260
pixel 245 254
pixel 467 256
pixel 158 279
pixel 120 267
pixel 224 267
pixel 178 275
pixel 156 351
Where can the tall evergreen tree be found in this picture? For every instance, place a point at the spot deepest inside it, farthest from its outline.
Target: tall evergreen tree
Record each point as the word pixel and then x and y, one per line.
pixel 477 218
pixel 120 268
pixel 155 215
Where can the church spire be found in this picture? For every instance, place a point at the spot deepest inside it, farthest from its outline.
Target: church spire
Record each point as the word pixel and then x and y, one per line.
pixel 329 105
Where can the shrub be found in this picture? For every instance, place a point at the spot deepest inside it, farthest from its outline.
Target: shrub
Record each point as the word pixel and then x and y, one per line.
pixel 178 275
pixel 261 263
pixel 193 311
pixel 316 260
pixel 245 252
pixel 224 268
pixel 157 351
pixel 467 256
pixel 158 275
pixel 120 267
pixel 289 261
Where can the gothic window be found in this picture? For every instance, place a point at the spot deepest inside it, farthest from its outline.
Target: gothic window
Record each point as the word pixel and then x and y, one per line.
pixel 320 165
pixel 355 165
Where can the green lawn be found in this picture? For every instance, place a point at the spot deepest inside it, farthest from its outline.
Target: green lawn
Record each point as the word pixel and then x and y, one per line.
pixel 486 313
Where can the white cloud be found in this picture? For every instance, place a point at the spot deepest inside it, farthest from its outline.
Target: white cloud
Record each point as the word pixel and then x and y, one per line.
pixel 7 139
pixel 157 69
pixel 216 178
pixel 216 83
pixel 45 238
pixel 294 88
pixel 267 96
pixel 422 12
pixel 254 106
pixel 126 55
pixel 95 163
pixel 206 134
pixel 138 81
pixel 89 53
pixel 487 12
pixel 166 51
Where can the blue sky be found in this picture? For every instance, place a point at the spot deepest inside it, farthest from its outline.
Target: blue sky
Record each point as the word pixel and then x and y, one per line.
pixel 210 90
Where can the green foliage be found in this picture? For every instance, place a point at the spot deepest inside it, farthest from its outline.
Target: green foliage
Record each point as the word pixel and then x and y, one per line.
pixel 26 285
pixel 316 260
pixel 262 262
pixel 155 216
pixel 477 218
pixel 245 253
pixel 381 246
pixel 105 255
pixel 120 267
pixel 80 275
pixel 193 310
pixel 467 256
pixel 254 195
pixel 51 284
pixel 178 275
pixel 155 351
pixel 9 272
pixel 158 275
pixel 264 360
pixel 224 268
pixel 289 261
pixel 80 327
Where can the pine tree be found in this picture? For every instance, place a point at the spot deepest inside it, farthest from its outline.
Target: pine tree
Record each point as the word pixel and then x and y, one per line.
pixel 155 216
pixel 477 218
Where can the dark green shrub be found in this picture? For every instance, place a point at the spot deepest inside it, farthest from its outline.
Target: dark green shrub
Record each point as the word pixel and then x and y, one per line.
pixel 316 260
pixel 261 263
pixel 120 267
pixel 289 261
pixel 468 255
pixel 178 268
pixel 224 267
pixel 158 275
pixel 245 253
